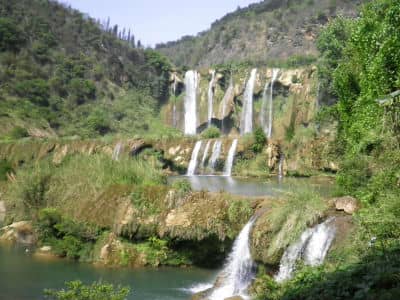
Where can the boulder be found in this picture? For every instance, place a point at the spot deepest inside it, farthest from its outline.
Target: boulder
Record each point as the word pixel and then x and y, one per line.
pixel 234 298
pixel 347 204
pixel 18 232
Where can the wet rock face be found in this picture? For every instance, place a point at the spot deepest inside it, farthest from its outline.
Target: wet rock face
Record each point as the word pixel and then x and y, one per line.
pixel 2 211
pixel 347 204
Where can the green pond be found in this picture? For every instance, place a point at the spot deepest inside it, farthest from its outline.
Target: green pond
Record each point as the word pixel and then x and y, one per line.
pixel 24 277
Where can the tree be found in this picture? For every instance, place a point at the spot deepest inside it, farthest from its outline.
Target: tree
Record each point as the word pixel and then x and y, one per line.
pixel 11 37
pixel 76 290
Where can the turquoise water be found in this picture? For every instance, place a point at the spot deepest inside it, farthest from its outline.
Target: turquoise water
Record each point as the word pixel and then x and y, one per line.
pixel 24 277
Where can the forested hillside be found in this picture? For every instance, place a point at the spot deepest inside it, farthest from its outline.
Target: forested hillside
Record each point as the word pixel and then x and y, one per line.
pixel 272 32
pixel 63 73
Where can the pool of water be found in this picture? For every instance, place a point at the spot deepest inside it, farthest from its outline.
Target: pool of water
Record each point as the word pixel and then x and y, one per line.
pixel 254 186
pixel 24 277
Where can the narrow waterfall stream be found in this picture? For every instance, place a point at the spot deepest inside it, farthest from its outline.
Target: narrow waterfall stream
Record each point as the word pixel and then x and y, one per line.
pixel 312 248
pixel 246 124
pixel 240 268
pixel 263 112
pixel 275 73
pixel 216 152
pixel 117 151
pixel 230 158
pixel 193 160
pixel 211 97
pixel 174 118
pixel 205 155
pixel 191 86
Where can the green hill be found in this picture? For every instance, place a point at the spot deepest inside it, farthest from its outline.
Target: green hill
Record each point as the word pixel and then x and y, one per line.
pixel 271 31
pixel 62 74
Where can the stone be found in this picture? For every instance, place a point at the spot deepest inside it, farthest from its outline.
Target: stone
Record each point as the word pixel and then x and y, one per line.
pixel 2 211
pixel 347 204
pixel 19 232
pixel 45 249
pixel 234 298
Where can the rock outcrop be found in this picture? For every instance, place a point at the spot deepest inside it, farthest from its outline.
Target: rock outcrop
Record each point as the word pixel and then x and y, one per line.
pixel 347 204
pixel 19 232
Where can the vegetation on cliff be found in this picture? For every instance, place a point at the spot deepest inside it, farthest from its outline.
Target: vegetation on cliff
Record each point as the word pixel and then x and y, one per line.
pixel 63 74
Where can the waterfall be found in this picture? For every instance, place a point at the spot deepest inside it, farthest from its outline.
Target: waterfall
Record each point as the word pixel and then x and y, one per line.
pixel 280 166
pixel 211 97
pixel 263 109
pixel 275 73
pixel 239 270
pixel 230 158
pixel 193 160
pixel 117 151
pixel 205 154
pixel 216 151
pixel 312 247
pixel 191 84
pixel 246 124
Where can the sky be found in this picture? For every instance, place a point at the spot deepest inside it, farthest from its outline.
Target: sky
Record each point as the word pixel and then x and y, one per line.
pixel 155 21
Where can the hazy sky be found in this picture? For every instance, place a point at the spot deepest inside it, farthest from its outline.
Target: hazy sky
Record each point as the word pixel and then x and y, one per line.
pixel 154 21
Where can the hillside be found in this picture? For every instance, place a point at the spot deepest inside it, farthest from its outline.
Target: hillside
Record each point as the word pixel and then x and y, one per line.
pixel 269 32
pixel 62 73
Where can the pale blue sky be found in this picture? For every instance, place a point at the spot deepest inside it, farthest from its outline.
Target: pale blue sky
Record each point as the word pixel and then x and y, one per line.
pixel 154 21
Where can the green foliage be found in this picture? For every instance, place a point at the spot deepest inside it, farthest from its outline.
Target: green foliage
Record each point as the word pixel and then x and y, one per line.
pixel 81 90
pixel 182 186
pixel 11 36
pixel 18 133
pixel 76 290
pixel 5 168
pixel 37 91
pixel 98 122
pixel 67 237
pixel 211 132
pixel 259 140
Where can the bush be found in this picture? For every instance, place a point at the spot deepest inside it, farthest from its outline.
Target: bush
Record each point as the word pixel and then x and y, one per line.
pixel 211 132
pixel 5 168
pixel 76 290
pixel 11 37
pixel 259 140
pixel 183 186
pixel 36 90
pixel 18 133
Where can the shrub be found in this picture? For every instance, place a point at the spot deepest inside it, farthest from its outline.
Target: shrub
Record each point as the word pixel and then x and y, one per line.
pixel 183 186
pixel 76 290
pixel 211 132
pixel 11 37
pixel 5 168
pixel 18 133
pixel 36 90
pixel 259 140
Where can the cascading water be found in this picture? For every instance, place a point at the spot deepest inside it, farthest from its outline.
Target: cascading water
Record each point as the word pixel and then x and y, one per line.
pixel 193 160
pixel 275 73
pixel 263 109
pixel 280 166
pixel 205 154
pixel 191 85
pixel 239 270
pixel 216 152
pixel 246 124
pixel 312 247
pixel 231 157
pixel 117 151
pixel 211 97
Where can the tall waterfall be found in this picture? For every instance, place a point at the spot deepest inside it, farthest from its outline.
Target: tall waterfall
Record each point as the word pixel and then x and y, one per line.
pixel 263 112
pixel 193 159
pixel 117 151
pixel 312 247
pixel 216 152
pixel 246 124
pixel 205 154
pixel 280 166
pixel 275 73
pixel 211 97
pixel 230 158
pixel 191 85
pixel 239 270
